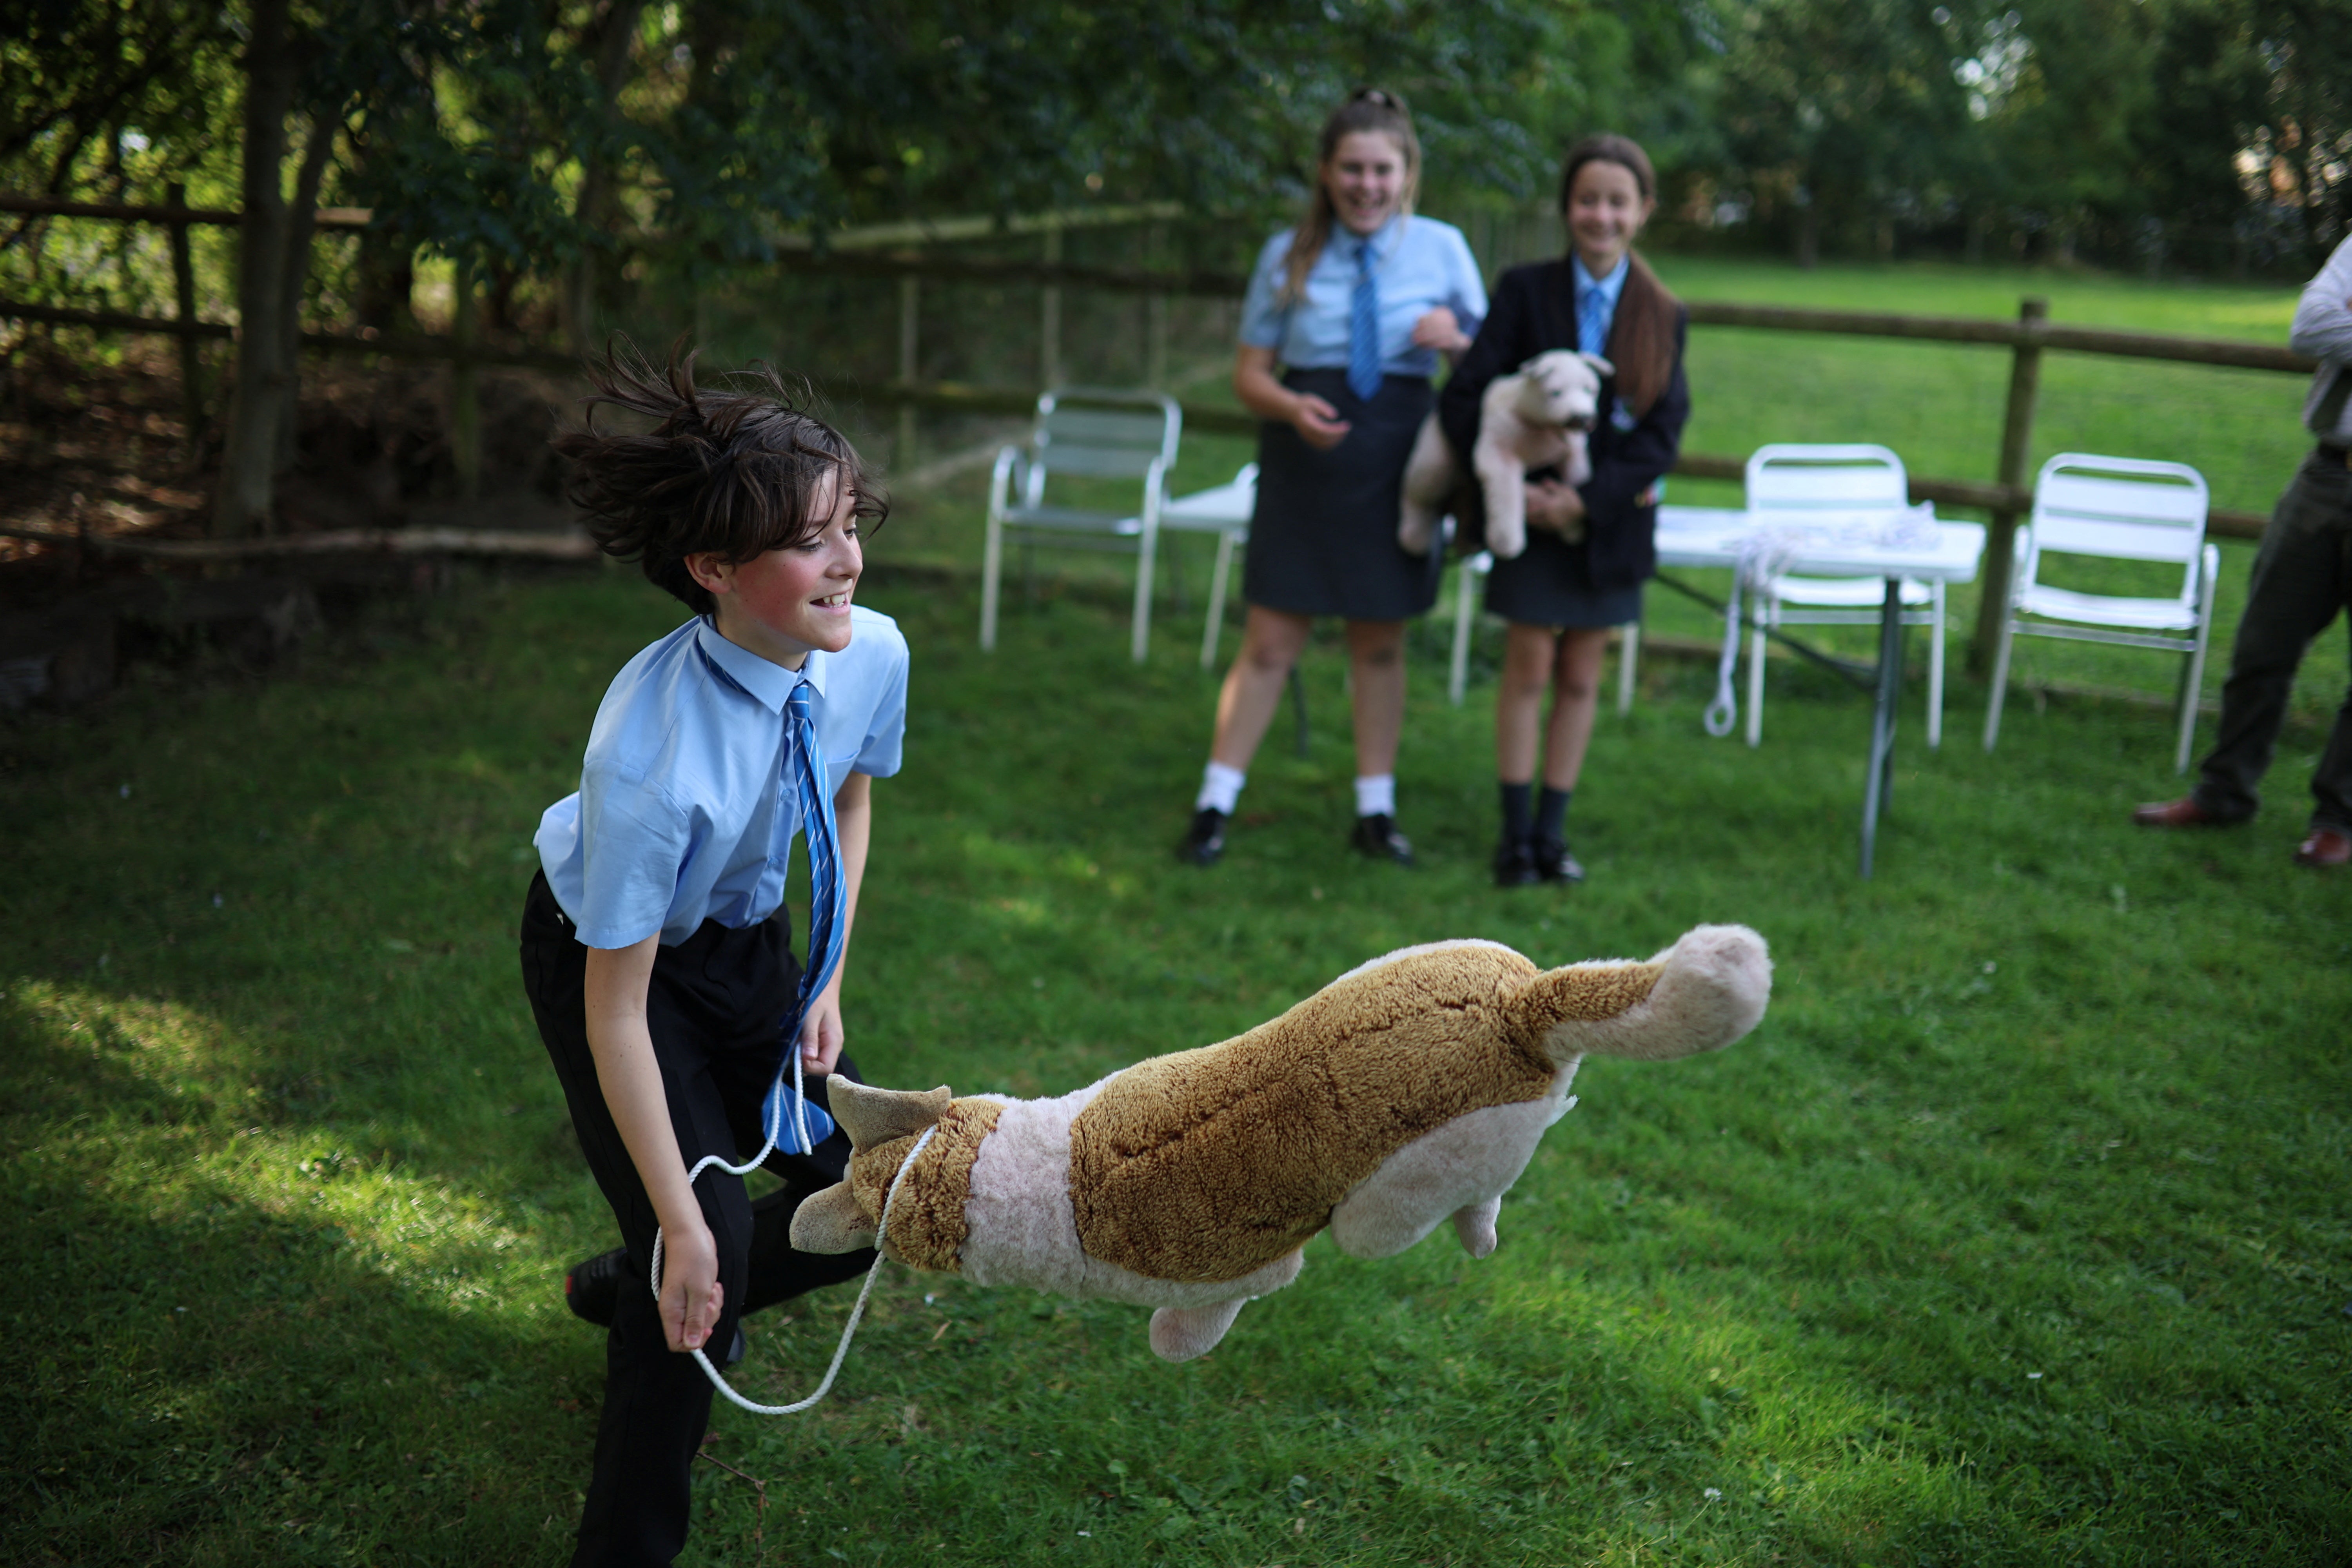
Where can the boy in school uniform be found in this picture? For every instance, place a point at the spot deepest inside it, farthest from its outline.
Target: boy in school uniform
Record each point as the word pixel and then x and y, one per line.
pixel 656 948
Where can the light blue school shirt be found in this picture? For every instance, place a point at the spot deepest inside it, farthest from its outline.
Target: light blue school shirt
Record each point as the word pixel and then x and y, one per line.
pixel 1419 264
pixel 682 815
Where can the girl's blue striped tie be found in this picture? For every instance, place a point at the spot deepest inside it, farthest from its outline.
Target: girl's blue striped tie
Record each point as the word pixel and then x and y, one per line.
pixel 1364 328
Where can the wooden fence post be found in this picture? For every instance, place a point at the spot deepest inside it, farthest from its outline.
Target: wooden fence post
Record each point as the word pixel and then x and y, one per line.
pixel 183 290
pixel 1155 318
pixel 911 309
pixel 465 393
pixel 2016 452
pixel 1049 318
pixel 1155 340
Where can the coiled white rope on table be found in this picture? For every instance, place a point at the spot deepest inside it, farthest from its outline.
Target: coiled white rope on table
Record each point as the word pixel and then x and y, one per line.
pixel 1765 557
pixel 881 1229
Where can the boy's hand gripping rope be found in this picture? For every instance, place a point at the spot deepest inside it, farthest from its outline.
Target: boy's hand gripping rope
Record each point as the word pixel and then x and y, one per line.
pixel 848 1329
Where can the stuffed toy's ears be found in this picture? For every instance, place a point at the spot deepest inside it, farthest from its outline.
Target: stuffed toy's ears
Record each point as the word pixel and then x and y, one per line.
pixel 872 1116
pixel 831 1222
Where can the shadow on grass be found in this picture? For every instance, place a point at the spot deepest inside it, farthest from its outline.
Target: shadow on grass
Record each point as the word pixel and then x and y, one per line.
pixel 219 1365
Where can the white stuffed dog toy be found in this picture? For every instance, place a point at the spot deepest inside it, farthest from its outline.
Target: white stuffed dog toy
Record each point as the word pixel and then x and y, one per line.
pixel 1534 419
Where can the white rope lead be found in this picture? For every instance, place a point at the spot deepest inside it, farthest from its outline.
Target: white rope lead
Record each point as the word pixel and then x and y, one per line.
pixel 1724 711
pixel 848 1329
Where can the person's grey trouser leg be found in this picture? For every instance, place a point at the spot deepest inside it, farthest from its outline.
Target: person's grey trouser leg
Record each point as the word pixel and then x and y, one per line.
pixel 2302 580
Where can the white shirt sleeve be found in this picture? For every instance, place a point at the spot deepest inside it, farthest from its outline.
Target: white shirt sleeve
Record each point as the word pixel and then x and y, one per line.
pixel 1263 319
pixel 2323 319
pixel 886 732
pixel 1469 301
pixel 633 843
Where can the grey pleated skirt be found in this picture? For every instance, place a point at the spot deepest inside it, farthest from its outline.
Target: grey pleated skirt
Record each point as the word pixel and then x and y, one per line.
pixel 1548 585
pixel 1323 538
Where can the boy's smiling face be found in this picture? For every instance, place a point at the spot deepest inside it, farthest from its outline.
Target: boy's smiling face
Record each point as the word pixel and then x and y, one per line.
pixel 781 603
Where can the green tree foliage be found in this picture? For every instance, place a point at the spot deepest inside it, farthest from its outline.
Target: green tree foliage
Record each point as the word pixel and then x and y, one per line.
pixel 2152 122
pixel 548 142
pixel 75 73
pixel 1841 109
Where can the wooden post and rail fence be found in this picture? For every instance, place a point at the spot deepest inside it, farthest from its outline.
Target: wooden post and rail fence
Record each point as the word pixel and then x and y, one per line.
pixel 2007 499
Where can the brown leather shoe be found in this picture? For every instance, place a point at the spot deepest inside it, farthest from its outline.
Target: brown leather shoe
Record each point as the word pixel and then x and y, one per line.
pixel 2325 847
pixel 2182 813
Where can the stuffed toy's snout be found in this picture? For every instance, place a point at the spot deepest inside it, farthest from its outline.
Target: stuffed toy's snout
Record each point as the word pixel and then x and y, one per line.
pixel 1408 1092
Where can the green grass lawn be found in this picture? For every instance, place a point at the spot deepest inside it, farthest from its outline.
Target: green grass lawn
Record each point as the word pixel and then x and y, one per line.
pixel 2019 1232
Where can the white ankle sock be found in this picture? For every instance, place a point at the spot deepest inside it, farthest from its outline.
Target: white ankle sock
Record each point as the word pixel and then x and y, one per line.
pixel 1376 796
pixel 1221 786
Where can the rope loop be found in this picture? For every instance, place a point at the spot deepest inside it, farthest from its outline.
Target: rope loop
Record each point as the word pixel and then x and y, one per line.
pixel 881 1229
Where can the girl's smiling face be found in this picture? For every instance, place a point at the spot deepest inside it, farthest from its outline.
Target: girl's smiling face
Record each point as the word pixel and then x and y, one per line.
pixel 1364 178
pixel 1606 209
pixel 781 603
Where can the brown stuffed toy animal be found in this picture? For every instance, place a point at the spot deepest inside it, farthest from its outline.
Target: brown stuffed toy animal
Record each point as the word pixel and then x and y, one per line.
pixel 1406 1092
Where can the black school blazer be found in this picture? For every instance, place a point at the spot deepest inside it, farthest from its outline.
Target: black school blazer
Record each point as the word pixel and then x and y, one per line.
pixel 1534 309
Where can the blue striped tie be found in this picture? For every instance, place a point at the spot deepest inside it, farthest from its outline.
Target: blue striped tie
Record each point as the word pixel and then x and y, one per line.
pixel 1364 328
pixel 1592 314
pixel 805 774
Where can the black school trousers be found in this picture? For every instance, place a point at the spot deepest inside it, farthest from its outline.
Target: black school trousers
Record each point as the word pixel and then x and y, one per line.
pixel 2302 582
pixel 714 1007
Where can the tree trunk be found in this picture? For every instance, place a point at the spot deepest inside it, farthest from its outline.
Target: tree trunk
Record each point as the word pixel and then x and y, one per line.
pixel 294 277
pixel 592 209
pixel 384 277
pixel 1808 235
pixel 249 460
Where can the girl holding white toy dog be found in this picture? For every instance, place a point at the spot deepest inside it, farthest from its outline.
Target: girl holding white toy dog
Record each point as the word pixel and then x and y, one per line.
pixel 1355 304
pixel 1589 546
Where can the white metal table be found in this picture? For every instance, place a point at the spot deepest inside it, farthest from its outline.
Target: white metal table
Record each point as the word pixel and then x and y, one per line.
pixel 1705 536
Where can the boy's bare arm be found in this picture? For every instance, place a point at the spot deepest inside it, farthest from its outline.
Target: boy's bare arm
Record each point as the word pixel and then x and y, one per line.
pixel 615 992
pixel 853 815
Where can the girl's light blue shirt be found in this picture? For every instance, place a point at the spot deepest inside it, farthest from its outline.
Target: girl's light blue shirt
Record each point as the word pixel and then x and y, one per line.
pixel 682 815
pixel 1419 264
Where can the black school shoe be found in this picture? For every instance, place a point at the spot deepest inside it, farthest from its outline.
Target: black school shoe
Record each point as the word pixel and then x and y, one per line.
pixel 1514 864
pixel 1553 863
pixel 592 1290
pixel 1204 841
pixel 1376 836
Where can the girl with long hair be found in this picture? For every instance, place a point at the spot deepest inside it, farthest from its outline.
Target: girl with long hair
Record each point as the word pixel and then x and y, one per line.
pixel 1354 305
pixel 1590 547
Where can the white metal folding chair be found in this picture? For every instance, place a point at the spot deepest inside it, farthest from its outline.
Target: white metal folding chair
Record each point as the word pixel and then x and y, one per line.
pixel 1224 511
pixel 1787 482
pixel 1091 433
pixel 2127 509
pixel 1465 619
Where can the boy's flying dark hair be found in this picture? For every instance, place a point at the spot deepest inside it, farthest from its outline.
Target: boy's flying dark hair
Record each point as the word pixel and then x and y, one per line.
pixel 735 471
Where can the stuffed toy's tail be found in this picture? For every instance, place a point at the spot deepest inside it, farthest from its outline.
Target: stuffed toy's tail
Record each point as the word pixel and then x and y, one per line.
pixel 1700 995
